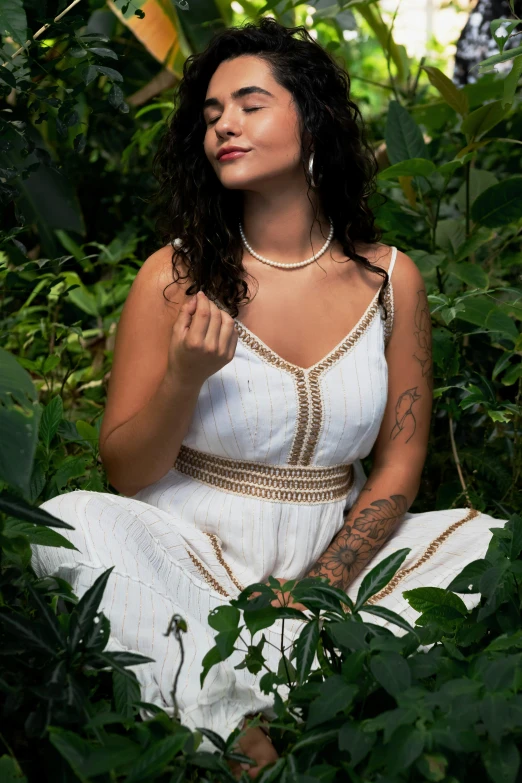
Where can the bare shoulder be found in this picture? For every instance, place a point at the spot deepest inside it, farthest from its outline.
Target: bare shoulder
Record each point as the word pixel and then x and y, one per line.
pixel 157 282
pixel 407 280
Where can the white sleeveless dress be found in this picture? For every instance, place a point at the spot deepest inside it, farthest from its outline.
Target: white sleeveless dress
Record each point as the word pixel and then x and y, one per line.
pixel 269 463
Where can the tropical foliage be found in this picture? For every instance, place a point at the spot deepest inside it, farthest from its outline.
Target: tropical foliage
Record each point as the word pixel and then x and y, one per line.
pixel 83 103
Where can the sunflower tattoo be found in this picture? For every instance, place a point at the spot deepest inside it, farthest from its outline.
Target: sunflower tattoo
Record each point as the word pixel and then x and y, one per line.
pixel 357 543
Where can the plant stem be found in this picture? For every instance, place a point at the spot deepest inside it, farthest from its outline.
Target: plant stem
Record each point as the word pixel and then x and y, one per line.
pixel 44 28
pixel 457 462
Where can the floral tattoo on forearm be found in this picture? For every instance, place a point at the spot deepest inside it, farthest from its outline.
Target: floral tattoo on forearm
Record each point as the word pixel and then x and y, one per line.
pixel 423 354
pixel 359 541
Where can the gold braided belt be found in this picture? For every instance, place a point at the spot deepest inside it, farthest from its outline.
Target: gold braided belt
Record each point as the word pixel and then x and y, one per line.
pixel 284 483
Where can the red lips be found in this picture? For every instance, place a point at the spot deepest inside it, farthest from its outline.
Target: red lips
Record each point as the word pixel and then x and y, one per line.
pixel 226 150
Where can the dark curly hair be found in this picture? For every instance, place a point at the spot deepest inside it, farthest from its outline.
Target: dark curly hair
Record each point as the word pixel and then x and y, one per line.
pixel 196 208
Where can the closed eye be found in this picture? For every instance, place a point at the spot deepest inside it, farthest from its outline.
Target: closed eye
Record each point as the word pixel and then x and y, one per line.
pixel 256 108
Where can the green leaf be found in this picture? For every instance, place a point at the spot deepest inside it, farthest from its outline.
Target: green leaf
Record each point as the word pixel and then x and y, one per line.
pixel 471 274
pixel 336 696
pixel 505 642
pixel 499 205
pixel 210 659
pixel 483 119
pixel 390 720
pixel 16 507
pixel 502 363
pixel 47 618
pixel 10 772
pixel 225 641
pixel 35 534
pixel 13 21
pixel 502 761
pixel 224 618
pixel 404 748
pixel 392 672
pixel 272 774
pixel 454 97
pixel 515 522
pixel 83 614
pixel 500 674
pixel 18 438
pixel 391 617
pixel 327 590
pixel 468 580
pixel 446 617
pixel 409 168
pixel 110 72
pixel 126 693
pixel 306 648
pixel 321 736
pixel 358 743
pixel 70 468
pixel 507 25
pixel 350 634
pixel 27 632
pixel 379 576
pixel 87 432
pixel 511 82
pixel 433 767
pixel 73 748
pixel 103 52
pixel 496 714
pixel 50 420
pixel 156 757
pixel 404 139
pixel 497 321
pixel 260 618
pixel 424 598
pixel 501 58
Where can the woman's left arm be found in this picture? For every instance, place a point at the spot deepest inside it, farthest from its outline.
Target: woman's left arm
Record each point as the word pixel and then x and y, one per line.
pixel 401 446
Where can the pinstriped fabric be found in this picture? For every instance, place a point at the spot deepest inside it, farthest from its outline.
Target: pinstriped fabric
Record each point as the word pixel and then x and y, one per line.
pixel 192 540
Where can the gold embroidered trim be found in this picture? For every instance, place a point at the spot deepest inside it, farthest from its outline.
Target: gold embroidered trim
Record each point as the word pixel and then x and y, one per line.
pixel 219 555
pixel 316 408
pixel 390 308
pixel 310 411
pixel 284 483
pixel 207 575
pixel 432 548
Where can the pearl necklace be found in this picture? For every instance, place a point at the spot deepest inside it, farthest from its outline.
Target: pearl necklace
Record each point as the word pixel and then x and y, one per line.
pixel 288 266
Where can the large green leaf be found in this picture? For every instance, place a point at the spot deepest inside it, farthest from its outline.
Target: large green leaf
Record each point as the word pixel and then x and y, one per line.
pixel 336 695
pixel 306 648
pixel 404 138
pixel 18 508
pixel 10 771
pixel 454 97
pixel 483 119
pixel 379 576
pixel 19 419
pixel 13 21
pixel 83 614
pixel 155 758
pixel 409 168
pixel 392 672
pixel 500 204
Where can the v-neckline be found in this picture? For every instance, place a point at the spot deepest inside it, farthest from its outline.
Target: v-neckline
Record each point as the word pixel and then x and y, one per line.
pixel 336 348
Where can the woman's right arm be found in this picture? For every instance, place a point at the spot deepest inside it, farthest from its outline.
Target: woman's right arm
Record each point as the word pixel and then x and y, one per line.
pixel 149 408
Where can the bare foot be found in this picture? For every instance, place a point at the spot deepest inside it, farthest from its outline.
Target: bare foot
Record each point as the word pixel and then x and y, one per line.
pixel 255 744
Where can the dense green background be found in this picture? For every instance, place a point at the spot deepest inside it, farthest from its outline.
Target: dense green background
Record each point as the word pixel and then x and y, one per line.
pixel 81 111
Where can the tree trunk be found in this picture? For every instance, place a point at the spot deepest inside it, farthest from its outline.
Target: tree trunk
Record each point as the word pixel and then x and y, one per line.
pixel 476 42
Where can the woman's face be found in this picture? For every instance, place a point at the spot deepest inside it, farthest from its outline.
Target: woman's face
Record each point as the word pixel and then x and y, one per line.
pixel 264 123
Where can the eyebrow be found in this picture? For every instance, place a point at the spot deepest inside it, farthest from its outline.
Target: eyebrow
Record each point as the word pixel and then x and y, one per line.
pixel 237 94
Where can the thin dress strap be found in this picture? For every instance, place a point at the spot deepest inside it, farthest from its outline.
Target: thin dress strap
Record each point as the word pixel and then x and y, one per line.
pixel 392 262
pixel 388 300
